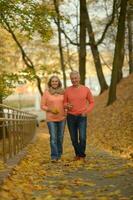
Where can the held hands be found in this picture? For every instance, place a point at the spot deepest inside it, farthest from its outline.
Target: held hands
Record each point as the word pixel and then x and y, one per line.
pixel 69 106
pixel 65 112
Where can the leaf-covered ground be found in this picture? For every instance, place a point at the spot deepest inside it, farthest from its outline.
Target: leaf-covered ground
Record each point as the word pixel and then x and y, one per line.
pixel 111 127
pixel 101 177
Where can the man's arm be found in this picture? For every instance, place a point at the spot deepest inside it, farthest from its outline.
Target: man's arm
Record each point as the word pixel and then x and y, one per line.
pixel 90 100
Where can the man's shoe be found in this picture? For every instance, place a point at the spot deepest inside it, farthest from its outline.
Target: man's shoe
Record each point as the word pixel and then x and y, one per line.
pixel 76 158
pixel 79 158
pixel 82 159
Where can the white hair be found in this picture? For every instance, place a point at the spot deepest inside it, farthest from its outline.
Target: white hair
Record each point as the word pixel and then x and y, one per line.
pixel 74 72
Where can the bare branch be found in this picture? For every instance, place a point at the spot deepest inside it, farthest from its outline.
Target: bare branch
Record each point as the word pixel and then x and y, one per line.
pixel 108 24
pixel 66 36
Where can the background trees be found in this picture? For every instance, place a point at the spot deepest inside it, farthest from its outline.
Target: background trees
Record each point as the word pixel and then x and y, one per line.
pixel 26 18
pixel 59 36
pixel 119 53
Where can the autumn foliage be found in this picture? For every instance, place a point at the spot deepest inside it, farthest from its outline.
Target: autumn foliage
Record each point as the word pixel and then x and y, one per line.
pixel 102 177
pixel 111 127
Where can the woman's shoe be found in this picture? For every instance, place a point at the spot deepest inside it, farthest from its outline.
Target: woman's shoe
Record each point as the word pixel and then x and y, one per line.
pixel 59 160
pixel 53 160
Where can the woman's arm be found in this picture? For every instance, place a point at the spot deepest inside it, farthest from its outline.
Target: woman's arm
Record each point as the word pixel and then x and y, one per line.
pixel 44 101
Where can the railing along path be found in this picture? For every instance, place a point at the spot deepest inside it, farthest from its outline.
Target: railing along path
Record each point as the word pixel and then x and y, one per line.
pixel 17 128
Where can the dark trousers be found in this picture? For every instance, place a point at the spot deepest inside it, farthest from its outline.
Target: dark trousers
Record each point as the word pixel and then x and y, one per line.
pixel 77 126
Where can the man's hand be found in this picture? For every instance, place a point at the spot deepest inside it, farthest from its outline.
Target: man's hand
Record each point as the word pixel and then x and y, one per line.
pixel 69 106
pixel 83 114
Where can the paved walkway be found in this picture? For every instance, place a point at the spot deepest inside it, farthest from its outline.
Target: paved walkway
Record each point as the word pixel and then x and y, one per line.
pixel 101 177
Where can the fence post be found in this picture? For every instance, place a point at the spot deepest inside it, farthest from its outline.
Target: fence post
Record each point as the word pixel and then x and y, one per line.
pixel 4 142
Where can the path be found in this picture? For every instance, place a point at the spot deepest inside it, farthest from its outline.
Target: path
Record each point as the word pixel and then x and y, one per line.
pixel 101 177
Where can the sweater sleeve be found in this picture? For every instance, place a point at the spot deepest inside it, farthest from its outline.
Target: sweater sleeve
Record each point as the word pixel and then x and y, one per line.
pixel 90 100
pixel 44 101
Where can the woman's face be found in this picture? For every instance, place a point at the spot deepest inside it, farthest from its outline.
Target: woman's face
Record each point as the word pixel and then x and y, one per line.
pixel 54 83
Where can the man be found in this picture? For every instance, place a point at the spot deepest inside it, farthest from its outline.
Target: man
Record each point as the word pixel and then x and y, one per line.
pixel 79 102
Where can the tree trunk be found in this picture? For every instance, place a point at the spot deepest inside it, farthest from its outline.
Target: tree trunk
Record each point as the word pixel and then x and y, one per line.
pixel 1 115
pixel 95 53
pixel 119 53
pixel 121 38
pixel 60 42
pixel 130 36
pixel 82 43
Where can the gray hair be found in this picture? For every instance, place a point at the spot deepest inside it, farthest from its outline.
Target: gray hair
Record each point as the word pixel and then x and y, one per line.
pixel 74 72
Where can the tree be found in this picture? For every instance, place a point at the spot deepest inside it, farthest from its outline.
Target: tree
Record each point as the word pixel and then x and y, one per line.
pixel 95 53
pixel 28 62
pixel 7 84
pixel 130 35
pixel 28 17
pixel 60 41
pixel 119 52
pixel 82 42
pixel 94 46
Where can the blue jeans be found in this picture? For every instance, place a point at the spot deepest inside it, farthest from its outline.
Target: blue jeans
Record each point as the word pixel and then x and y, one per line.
pixel 77 126
pixel 56 131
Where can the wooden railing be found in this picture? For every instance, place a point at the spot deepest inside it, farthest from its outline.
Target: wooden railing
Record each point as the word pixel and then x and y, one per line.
pixel 17 128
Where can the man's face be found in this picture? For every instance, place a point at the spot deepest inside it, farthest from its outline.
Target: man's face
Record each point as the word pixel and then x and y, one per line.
pixel 75 79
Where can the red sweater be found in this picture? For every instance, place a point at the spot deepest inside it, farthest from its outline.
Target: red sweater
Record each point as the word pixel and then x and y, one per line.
pixel 80 98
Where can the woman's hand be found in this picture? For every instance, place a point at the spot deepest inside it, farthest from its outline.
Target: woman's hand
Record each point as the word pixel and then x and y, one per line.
pixel 69 106
pixel 53 111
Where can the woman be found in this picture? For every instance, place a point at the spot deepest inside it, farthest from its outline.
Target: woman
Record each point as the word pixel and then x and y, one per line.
pixel 52 103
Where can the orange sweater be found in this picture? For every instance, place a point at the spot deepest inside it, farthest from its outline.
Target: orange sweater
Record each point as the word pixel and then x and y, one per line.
pixel 80 98
pixel 53 102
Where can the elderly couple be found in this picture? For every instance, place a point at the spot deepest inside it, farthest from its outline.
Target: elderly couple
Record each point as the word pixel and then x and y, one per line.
pixel 72 104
